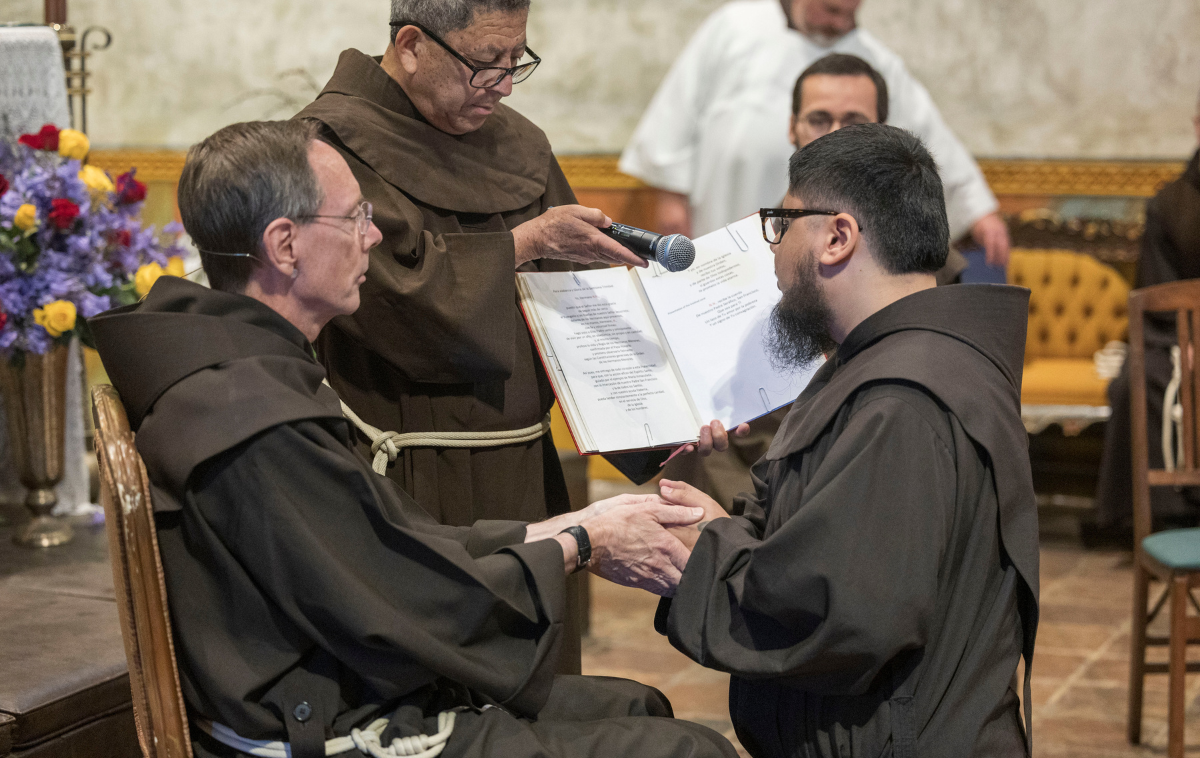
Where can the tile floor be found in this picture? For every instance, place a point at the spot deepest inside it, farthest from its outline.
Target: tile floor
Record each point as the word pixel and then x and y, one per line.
pixel 1081 665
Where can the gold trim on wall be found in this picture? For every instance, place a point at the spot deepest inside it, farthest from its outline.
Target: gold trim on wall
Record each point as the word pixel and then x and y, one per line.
pixel 1006 176
pixel 597 172
pixel 152 165
pixel 1110 178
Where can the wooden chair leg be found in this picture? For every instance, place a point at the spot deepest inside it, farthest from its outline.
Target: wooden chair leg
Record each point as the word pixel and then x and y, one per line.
pixel 1178 666
pixel 1137 653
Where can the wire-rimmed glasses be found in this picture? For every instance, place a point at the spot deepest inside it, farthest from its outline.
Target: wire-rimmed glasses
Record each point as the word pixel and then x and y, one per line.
pixel 362 217
pixel 482 77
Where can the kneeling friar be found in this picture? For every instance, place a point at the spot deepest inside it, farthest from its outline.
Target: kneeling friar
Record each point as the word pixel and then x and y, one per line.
pixel 317 609
pixel 874 595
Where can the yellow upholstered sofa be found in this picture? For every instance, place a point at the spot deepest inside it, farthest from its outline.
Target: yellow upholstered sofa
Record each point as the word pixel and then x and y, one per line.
pixel 1077 306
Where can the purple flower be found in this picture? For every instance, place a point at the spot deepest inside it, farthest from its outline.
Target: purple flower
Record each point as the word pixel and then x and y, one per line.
pixel 97 254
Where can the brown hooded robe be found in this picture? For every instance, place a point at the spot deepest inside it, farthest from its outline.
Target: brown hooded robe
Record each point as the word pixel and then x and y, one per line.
pixel 875 593
pixel 297 576
pixel 439 343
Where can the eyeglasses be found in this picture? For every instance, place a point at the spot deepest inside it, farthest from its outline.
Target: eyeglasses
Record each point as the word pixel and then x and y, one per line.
pixel 482 77
pixel 362 217
pixel 821 122
pixel 775 221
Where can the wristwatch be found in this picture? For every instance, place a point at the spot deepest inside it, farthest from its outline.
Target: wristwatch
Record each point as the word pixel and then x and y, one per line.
pixel 585 545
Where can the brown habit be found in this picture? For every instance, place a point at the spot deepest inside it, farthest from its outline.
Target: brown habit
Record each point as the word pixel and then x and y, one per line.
pixel 439 343
pixel 873 595
pixel 298 576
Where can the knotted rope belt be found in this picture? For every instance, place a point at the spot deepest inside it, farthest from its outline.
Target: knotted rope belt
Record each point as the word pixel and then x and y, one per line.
pixel 366 741
pixel 386 446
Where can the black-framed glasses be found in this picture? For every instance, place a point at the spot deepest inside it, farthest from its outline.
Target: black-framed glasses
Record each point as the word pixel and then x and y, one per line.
pixel 775 221
pixel 482 77
pixel 362 217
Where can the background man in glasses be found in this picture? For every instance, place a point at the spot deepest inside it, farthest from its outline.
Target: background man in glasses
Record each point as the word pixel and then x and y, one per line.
pixel 875 593
pixel 836 91
pixel 460 186
pixel 713 138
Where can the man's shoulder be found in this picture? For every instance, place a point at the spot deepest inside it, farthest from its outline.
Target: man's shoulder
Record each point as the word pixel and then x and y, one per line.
pixel 742 19
pixel 882 57
pixel 1175 198
pixel 903 402
pixel 750 9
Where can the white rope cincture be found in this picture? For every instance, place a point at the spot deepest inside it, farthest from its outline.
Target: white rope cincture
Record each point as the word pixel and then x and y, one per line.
pixel 365 740
pixel 1172 419
pixel 386 446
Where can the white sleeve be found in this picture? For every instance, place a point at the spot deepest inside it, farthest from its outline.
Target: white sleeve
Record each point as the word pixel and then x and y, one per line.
pixel 662 150
pixel 968 197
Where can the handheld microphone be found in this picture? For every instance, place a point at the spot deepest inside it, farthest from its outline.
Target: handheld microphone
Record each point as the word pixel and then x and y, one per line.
pixel 674 252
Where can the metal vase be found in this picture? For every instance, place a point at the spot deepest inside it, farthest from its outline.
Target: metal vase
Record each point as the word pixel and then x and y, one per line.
pixel 35 398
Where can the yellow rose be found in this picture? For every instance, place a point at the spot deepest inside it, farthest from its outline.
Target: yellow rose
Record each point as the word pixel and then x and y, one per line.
pixel 26 217
pixel 73 144
pixel 57 318
pixel 97 180
pixel 175 267
pixel 145 277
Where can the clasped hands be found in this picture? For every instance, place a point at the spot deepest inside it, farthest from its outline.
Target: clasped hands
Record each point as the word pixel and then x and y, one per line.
pixel 641 541
pixel 637 540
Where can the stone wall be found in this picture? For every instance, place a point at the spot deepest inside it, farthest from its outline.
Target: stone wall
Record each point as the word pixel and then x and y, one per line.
pixel 1015 78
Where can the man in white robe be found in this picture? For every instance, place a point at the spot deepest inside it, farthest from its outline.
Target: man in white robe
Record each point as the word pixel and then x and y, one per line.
pixel 715 136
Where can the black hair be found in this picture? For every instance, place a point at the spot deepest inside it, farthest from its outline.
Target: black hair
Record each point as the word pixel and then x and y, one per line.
pixel 840 64
pixel 887 180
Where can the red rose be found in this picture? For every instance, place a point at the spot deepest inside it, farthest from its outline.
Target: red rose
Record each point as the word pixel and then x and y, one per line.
pixel 45 139
pixel 3 319
pixel 3 189
pixel 129 189
pixel 62 212
pixel 122 238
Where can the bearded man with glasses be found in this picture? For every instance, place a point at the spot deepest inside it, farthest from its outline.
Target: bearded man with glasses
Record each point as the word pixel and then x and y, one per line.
pixel 836 91
pixel 462 188
pixel 875 592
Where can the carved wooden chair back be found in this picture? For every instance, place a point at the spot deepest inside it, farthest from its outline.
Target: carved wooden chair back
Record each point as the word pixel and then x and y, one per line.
pixel 1171 556
pixel 138 580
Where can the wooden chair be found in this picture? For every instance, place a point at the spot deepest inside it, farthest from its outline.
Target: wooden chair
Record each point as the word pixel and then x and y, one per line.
pixel 1171 556
pixel 138 580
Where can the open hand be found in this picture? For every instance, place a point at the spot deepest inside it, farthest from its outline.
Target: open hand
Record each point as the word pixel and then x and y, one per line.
pixel 570 233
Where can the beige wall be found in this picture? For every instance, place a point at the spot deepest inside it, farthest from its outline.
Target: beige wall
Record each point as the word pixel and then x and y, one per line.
pixel 1015 78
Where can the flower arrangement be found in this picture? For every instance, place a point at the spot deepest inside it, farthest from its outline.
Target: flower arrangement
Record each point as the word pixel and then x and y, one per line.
pixel 71 241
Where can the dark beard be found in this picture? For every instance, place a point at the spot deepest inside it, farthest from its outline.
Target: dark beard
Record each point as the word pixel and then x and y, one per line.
pixel 798 334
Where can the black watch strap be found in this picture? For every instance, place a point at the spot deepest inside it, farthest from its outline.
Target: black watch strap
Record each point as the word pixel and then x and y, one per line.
pixel 585 545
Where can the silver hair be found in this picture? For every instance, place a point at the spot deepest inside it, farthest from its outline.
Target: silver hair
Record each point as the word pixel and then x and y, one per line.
pixel 444 16
pixel 235 183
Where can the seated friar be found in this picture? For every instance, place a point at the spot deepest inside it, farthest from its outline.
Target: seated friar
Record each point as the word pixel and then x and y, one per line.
pixel 317 609
pixel 1170 252
pixel 875 594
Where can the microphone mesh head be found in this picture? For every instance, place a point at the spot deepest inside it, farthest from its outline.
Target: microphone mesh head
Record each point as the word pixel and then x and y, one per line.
pixel 675 252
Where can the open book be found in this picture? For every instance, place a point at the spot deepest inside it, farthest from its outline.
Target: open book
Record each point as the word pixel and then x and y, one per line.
pixel 642 358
